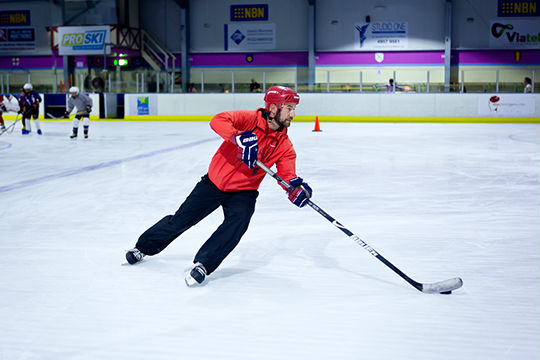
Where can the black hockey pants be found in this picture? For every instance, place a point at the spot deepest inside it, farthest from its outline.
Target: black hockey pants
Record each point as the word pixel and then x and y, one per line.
pixel 238 207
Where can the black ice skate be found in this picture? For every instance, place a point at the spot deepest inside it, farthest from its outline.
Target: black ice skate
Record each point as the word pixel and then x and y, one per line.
pixel 195 275
pixel 133 256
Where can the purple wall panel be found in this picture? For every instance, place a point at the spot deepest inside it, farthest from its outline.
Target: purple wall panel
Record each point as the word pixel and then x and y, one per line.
pixel 412 58
pixel 241 59
pixel 28 62
pixel 496 57
pixel 389 58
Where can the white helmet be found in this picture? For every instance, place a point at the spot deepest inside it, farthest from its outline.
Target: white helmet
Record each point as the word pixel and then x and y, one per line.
pixel 74 90
pixel 28 86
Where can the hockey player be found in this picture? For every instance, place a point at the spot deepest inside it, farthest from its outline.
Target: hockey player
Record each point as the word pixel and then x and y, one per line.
pixel 232 182
pixel 8 103
pixel 29 103
pixel 84 104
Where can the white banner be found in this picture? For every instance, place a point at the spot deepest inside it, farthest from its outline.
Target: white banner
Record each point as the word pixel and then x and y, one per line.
pixel 83 40
pixel 506 104
pixel 245 37
pixel 383 35
pixel 514 34
pixel 143 105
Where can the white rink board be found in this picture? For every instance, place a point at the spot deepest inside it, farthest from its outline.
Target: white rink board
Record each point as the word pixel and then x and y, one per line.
pixel 383 104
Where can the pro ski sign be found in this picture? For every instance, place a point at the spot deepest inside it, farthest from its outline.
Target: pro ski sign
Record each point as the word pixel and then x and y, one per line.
pixel 83 40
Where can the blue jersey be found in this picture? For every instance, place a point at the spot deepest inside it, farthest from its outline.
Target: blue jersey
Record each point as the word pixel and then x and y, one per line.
pixel 29 99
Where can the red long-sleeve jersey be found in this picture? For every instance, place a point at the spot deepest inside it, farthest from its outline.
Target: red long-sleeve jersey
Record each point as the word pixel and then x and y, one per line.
pixel 227 172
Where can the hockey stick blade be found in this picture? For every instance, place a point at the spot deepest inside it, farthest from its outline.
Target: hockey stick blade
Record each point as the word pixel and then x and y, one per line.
pixel 54 117
pixel 442 287
pixel 11 127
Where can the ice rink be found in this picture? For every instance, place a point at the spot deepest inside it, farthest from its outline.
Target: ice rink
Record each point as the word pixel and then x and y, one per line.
pixel 437 200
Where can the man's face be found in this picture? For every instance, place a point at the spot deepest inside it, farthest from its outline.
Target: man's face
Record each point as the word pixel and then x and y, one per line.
pixel 286 115
pixel 73 95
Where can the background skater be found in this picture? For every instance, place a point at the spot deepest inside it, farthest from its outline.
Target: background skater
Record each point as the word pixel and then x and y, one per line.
pixel 29 102
pixel 84 104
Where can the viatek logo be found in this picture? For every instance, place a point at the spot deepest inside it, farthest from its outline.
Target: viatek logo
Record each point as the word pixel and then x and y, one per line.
pixel 498 30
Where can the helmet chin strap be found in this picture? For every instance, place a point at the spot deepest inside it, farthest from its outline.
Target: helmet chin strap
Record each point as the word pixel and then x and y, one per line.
pixel 276 119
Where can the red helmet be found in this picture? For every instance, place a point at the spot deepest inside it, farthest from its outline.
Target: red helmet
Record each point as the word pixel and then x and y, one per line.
pixel 279 95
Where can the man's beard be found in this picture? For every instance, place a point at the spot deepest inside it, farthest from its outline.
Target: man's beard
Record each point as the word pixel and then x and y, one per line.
pixel 281 123
pixel 276 119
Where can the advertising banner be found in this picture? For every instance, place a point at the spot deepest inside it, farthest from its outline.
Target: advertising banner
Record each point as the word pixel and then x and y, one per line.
pixel 15 18
pixel 506 104
pixel 143 105
pixel 83 40
pixel 513 8
pixel 246 37
pixel 514 34
pixel 257 12
pixel 18 38
pixel 382 35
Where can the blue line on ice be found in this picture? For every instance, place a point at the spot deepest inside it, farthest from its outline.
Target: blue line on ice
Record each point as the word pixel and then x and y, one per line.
pixel 42 179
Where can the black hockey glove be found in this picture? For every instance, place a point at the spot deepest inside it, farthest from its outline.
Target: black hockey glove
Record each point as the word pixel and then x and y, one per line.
pixel 247 148
pixel 300 193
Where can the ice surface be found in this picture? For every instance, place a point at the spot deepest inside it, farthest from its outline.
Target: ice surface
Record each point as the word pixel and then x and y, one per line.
pixel 437 200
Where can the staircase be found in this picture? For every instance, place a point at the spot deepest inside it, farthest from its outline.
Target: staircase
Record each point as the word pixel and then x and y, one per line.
pixel 158 56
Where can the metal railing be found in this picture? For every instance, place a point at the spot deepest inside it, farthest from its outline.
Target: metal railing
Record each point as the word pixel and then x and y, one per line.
pixel 240 81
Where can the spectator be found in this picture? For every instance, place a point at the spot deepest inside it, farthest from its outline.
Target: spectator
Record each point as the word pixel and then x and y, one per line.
pixel 528 85
pixel 390 86
pixel 254 87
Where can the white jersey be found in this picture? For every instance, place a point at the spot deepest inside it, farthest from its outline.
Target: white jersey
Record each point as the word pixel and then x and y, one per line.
pixel 80 102
pixel 11 104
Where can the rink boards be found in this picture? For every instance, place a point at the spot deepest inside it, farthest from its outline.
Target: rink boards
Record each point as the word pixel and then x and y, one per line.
pixel 340 107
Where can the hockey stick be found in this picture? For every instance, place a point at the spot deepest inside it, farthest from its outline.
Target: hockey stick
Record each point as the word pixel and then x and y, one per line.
pixel 11 127
pixel 54 117
pixel 62 117
pixel 442 287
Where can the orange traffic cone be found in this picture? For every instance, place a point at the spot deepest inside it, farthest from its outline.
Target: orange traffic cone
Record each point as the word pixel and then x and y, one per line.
pixel 317 127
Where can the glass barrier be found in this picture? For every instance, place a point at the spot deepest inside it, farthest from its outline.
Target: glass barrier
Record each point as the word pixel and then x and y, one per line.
pixel 231 80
